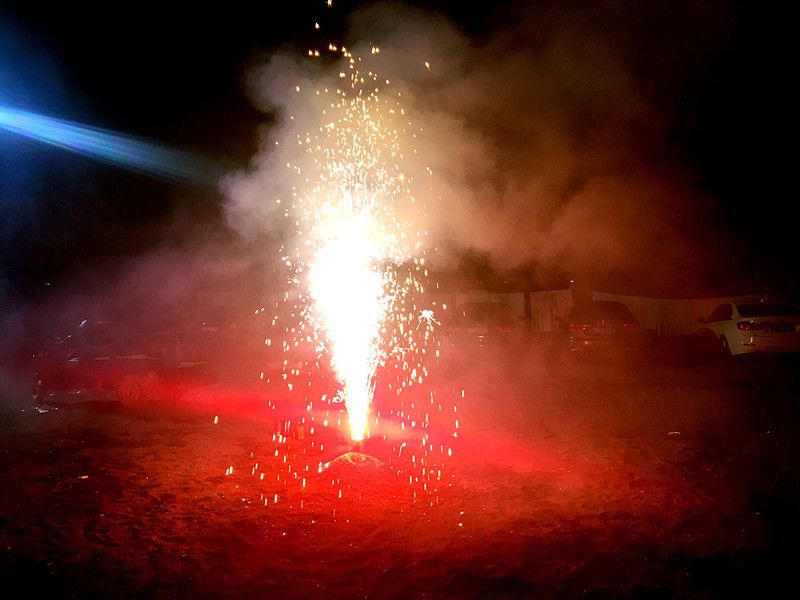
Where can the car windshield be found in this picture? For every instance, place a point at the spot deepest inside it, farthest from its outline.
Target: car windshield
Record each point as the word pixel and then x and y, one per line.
pixel 601 311
pixel 495 313
pixel 765 309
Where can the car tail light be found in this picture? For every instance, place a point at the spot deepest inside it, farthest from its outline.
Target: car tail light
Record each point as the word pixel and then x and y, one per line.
pixel 749 326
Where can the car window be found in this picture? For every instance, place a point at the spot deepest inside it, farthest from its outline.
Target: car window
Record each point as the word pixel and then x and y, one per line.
pixel 722 313
pixel 197 347
pixel 59 346
pixel 768 309
pixel 615 311
pixel 100 345
pixel 494 313
pixel 601 310
pixel 157 345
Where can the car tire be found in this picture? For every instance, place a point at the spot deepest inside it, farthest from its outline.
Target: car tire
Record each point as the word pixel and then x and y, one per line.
pixel 725 346
pixel 130 391
pixel 705 347
pixel 136 391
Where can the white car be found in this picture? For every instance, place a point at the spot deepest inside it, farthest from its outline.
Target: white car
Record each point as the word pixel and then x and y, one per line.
pixel 753 327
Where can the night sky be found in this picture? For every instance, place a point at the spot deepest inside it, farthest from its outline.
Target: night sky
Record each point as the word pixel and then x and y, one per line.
pixel 716 72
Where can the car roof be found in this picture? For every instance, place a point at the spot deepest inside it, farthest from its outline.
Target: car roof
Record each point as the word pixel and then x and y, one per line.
pixel 767 309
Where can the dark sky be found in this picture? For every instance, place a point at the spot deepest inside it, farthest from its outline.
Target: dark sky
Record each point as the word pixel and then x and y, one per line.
pixel 717 70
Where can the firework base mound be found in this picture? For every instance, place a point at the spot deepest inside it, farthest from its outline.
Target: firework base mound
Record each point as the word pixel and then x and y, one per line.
pixel 356 460
pixel 361 477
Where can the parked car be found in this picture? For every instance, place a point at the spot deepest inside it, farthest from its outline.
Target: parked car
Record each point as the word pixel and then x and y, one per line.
pixel 601 325
pixel 138 366
pixel 734 329
pixel 482 324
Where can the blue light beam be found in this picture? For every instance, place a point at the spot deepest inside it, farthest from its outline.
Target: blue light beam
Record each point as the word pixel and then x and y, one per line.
pixel 110 147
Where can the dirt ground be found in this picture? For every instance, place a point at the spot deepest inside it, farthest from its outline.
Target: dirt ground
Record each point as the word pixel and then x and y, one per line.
pixel 626 478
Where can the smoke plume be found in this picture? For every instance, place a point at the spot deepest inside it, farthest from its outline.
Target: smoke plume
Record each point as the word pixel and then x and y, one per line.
pixel 544 137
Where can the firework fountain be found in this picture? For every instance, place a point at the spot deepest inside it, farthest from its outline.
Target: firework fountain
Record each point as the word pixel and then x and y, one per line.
pixel 359 256
pixel 351 194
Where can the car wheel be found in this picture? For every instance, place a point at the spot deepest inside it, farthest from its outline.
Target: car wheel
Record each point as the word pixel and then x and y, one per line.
pixel 138 390
pixel 704 346
pixel 38 388
pixel 130 391
pixel 726 349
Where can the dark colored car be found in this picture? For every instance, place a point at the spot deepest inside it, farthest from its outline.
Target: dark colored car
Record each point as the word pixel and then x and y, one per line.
pixel 482 324
pixel 602 325
pixel 137 366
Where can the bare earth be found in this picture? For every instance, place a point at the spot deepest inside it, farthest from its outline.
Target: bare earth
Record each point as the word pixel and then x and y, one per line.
pixel 628 479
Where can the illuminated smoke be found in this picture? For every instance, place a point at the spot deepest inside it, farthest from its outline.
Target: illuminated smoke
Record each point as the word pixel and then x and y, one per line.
pixel 356 254
pixel 538 145
pixel 546 137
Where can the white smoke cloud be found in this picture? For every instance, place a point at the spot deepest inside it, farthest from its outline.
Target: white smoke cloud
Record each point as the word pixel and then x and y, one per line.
pixel 543 143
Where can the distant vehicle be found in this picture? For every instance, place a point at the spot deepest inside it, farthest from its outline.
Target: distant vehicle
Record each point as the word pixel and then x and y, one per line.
pixel 139 367
pixel 768 327
pixel 601 325
pixel 482 324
